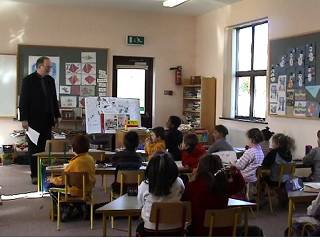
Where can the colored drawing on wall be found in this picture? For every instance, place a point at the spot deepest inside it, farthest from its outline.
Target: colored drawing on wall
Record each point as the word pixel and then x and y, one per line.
pixel 310 75
pixel 73 68
pixel 299 82
pixel 75 90
pixel 273 92
pixel 291 79
pixel 310 53
pixel 312 109
pixel 300 108
pixel 73 79
pixel 283 61
pixel 54 71
pixel 281 105
pixel 300 95
pixel 290 98
pixel 68 101
pixel 82 102
pixel 88 79
pixel 300 52
pixel 87 91
pixel 88 57
pixel 273 108
pixel 313 90
pixel 89 68
pixel 292 57
pixel 65 90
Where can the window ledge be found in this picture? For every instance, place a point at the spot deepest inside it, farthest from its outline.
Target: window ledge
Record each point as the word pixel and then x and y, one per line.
pixel 244 120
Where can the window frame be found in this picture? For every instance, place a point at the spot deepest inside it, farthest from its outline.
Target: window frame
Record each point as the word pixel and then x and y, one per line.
pixel 250 73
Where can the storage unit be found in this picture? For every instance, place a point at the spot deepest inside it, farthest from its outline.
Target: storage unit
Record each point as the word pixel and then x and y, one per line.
pixel 199 102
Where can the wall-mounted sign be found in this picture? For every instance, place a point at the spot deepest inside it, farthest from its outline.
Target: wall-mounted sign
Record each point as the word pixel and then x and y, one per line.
pixel 135 40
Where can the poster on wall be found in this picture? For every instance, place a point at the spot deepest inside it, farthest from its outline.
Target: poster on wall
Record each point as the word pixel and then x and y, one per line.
pixel 310 53
pixel 54 71
pixel 300 108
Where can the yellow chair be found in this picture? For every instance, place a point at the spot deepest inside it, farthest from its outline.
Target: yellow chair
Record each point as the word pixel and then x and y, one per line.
pixel 174 213
pixel 75 179
pixel 219 218
pixel 125 177
pixel 284 169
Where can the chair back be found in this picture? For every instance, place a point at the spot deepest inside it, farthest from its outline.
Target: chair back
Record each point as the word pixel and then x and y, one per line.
pixel 56 145
pixel 226 156
pixel 98 156
pixel 76 179
pixel 228 217
pixel 129 177
pixel 285 169
pixel 170 213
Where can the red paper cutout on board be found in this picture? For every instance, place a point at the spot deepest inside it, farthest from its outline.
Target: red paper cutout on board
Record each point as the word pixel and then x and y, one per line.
pixel 73 79
pixel 87 68
pixel 73 68
pixel 89 79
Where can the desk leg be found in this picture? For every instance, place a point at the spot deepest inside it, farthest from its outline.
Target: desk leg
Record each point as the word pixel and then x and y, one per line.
pixel 130 226
pixel 246 222
pixel 104 225
pixel 290 212
pixel 38 170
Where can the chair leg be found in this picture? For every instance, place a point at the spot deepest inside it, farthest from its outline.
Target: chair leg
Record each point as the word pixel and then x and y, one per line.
pixel 91 216
pixel 270 200
pixel 51 210
pixel 58 215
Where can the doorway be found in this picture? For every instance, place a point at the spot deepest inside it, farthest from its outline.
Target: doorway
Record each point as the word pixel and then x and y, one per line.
pixel 133 78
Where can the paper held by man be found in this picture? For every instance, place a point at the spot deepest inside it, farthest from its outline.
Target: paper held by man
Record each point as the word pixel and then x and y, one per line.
pixel 33 135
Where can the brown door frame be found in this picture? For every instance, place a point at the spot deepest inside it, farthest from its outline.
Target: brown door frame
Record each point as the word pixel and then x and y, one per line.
pixel 146 119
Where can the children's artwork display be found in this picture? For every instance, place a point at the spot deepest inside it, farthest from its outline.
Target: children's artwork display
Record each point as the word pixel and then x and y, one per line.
pixel 294 76
pixel 107 114
pixel 76 71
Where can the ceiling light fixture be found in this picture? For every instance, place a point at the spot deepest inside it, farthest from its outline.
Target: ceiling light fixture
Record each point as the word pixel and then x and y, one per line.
pixel 173 3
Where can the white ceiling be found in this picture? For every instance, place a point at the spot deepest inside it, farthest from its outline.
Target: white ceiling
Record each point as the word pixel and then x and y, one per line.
pixel 192 7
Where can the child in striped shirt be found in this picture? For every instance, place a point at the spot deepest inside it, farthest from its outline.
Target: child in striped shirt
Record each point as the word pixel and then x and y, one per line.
pixel 252 158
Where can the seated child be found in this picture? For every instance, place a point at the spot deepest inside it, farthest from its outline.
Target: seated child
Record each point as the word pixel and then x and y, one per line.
pixel 82 162
pixel 212 187
pixel 174 137
pixel 192 150
pixel 313 159
pixel 251 158
pixel 282 146
pixel 127 159
pixel 265 144
pixel 161 184
pixel 155 143
pixel 220 143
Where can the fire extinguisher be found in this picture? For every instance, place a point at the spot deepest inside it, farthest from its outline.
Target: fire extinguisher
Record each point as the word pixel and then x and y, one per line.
pixel 178 74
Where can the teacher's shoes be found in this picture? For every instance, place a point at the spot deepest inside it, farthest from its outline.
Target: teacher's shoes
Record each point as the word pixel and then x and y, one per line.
pixel 34 180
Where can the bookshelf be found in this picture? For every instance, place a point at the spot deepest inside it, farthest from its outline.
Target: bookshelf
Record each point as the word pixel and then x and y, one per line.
pixel 199 102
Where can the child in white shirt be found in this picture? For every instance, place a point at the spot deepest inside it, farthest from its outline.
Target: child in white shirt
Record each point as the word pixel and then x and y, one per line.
pixel 161 184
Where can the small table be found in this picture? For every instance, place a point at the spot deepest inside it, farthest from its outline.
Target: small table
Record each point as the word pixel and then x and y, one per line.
pixel 297 197
pixel 127 206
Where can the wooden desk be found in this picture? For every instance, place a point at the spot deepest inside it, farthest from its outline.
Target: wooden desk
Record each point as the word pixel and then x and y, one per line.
pixel 45 156
pixel 297 197
pixel 127 206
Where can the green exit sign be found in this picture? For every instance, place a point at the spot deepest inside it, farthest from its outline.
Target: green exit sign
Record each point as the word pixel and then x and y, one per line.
pixel 135 40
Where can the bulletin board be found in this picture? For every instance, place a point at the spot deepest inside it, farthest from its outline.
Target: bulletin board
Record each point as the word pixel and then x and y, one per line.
pixel 78 72
pixel 294 76
pixel 107 114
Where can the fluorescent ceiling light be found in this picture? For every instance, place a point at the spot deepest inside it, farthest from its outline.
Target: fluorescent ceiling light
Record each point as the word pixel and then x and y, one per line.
pixel 173 3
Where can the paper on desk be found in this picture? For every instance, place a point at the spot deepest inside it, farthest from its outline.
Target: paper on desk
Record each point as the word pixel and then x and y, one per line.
pixel 315 185
pixel 33 135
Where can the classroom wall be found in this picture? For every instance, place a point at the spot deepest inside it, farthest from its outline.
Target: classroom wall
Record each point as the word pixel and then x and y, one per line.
pixel 286 18
pixel 169 39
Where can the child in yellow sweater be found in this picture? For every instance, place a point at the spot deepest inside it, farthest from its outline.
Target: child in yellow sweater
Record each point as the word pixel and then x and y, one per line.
pixel 155 143
pixel 82 162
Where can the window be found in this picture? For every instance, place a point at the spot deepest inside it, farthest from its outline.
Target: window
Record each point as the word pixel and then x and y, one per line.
pixel 251 68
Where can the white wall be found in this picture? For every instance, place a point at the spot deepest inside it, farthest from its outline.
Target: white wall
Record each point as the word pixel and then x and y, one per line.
pixel 286 18
pixel 169 39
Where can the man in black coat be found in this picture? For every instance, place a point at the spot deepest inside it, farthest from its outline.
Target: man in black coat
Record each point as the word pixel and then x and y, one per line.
pixel 39 108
